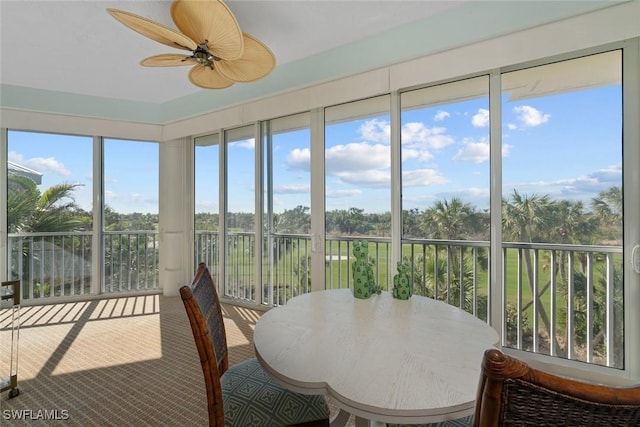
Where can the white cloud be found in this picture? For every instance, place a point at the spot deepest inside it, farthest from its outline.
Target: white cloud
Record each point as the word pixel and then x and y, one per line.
pixel 422 177
pixel 512 126
pixel 579 187
pixel 611 174
pixel 481 118
pixel 357 156
pixel 530 117
pixel 478 151
pixel 292 189
pixel 441 115
pixel 44 165
pixel 299 158
pixel 376 131
pixel 245 143
pixel 369 178
pixel 413 133
pixel 355 163
pixel 410 153
pixel 417 135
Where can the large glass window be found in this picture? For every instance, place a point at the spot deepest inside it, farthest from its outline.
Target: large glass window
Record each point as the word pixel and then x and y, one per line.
pixel 49 213
pixel 358 188
pixel 287 216
pixel 207 190
pixel 562 209
pixel 240 193
pixel 445 191
pixel 130 233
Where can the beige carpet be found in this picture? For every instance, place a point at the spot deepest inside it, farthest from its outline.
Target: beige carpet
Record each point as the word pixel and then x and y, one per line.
pixel 117 362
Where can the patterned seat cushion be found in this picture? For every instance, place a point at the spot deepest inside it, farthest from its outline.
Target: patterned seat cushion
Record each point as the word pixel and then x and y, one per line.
pixel 460 422
pixel 251 398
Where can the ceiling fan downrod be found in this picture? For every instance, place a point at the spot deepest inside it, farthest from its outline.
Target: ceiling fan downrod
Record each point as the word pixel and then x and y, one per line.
pixel 202 55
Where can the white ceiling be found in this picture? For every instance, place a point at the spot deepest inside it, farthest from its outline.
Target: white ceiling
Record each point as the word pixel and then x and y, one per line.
pixel 76 47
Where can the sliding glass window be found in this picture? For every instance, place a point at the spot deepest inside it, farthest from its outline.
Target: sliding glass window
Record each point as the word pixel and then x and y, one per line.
pixel 207 196
pixel 358 189
pixel 562 209
pixel 49 213
pixel 240 278
pixel 445 152
pixel 130 235
pixel 287 204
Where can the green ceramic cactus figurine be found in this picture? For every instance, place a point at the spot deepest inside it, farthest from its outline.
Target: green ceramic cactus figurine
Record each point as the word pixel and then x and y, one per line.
pixel 401 282
pixel 363 277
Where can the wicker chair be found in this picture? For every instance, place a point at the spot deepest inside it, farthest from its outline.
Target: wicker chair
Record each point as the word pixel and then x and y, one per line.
pixel 511 393
pixel 243 394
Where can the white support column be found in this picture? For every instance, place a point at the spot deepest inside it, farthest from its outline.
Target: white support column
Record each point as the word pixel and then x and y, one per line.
pixel 496 285
pixel 221 279
pixel 259 209
pixel 396 185
pixel 3 205
pixel 631 171
pixel 317 200
pixel 176 214
pixel 97 247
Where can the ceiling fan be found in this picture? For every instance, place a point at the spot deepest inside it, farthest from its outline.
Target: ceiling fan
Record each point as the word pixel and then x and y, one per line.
pixel 221 54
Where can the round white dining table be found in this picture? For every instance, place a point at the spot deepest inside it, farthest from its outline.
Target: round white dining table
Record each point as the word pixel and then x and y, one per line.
pixel 381 359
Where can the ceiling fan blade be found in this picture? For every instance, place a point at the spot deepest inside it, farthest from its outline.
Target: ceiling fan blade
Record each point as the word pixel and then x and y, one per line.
pixel 209 21
pixel 207 78
pixel 153 30
pixel 166 60
pixel 256 62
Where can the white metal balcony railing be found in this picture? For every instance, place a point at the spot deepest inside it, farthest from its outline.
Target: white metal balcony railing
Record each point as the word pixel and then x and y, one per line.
pixel 577 314
pixel 59 264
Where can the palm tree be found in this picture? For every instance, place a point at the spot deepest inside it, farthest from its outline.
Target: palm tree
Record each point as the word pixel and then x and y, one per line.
pixel 524 216
pixel 32 211
pixel 452 275
pixel 29 210
pixel 432 277
pixel 450 220
pixel 607 208
pixel 410 223
pixel 523 220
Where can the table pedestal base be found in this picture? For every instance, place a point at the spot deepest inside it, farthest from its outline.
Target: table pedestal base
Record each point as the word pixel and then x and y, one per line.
pixel 342 417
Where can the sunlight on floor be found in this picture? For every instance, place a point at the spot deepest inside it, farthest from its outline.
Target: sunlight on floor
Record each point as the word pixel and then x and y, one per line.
pixel 99 326
pixel 105 344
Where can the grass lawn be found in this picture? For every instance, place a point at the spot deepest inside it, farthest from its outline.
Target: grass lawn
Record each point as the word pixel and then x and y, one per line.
pixel 290 272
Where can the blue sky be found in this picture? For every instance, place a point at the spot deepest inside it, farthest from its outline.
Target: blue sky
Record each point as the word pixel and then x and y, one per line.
pixel 566 145
pixel 131 168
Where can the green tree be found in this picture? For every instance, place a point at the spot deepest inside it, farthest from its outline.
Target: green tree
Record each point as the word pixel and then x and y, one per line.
pixel 411 223
pixel 523 220
pixel 607 209
pixel 449 219
pixel 29 210
pixel 293 221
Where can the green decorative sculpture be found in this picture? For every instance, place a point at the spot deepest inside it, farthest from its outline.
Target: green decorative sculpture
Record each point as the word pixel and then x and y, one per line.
pixel 363 277
pixel 401 282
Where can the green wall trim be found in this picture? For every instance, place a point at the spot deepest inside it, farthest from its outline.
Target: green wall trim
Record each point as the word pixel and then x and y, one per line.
pixel 47 101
